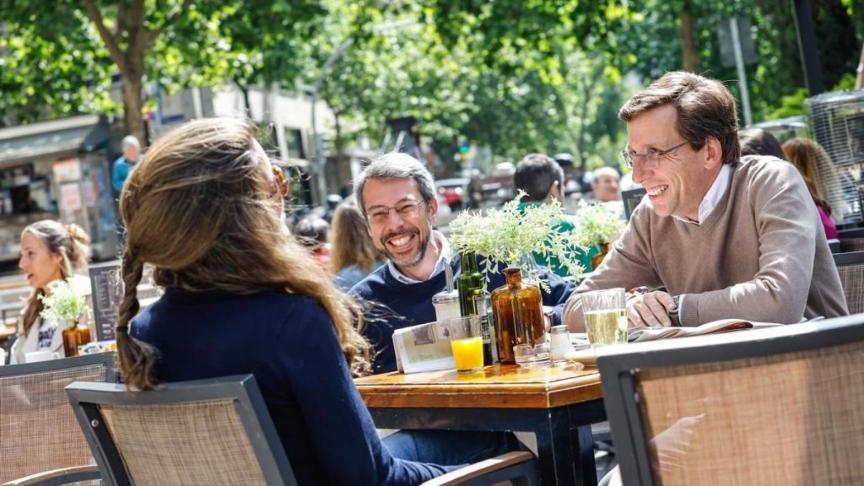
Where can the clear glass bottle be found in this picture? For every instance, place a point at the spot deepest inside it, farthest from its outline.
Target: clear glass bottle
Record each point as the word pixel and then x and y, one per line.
pixel 518 312
pixel 482 305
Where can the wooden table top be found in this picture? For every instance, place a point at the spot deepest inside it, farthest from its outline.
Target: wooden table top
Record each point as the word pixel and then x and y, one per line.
pixel 496 386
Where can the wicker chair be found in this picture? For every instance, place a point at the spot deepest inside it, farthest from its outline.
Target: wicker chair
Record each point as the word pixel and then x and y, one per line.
pixel 210 432
pixel 851 239
pixel 783 405
pixel 40 440
pixel 850 266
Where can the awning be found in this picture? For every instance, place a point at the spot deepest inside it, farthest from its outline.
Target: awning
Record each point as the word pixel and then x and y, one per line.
pixel 37 140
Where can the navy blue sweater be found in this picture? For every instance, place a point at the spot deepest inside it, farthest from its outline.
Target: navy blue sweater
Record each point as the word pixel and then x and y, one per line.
pixel 289 344
pixel 411 304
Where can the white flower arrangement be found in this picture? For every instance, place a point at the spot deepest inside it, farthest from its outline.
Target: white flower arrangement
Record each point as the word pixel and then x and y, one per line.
pixel 62 304
pixel 597 225
pixel 511 235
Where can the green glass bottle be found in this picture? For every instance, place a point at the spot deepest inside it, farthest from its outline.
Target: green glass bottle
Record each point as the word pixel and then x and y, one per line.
pixel 469 281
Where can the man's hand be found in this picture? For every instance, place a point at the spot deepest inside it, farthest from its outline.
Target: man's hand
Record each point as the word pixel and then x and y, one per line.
pixel 650 309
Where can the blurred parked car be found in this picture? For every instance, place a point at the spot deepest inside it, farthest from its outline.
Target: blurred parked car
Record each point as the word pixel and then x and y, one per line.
pixel 454 192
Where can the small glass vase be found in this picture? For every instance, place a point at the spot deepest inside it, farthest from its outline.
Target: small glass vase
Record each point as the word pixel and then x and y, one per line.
pixel 517 308
pixel 73 336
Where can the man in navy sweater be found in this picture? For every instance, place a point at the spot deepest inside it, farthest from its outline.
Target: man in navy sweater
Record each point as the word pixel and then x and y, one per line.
pixel 397 196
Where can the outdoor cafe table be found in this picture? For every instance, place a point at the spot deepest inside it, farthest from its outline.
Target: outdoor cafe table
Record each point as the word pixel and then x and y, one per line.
pixel 557 404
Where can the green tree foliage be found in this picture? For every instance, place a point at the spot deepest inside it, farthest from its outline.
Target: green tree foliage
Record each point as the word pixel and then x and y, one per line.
pixel 64 52
pixel 550 99
pixel 653 35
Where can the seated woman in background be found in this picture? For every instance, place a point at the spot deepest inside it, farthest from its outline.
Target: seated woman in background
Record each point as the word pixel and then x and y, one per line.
pixel 815 166
pixel 50 251
pixel 352 253
pixel 242 296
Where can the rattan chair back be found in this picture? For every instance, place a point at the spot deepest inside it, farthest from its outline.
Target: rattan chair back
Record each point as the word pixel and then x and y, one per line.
pixel 785 406
pixel 850 266
pixel 38 430
pixel 207 432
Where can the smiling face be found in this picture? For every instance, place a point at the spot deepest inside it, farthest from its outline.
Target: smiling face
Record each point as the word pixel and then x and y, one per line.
pixel 402 235
pixel 676 182
pixel 40 266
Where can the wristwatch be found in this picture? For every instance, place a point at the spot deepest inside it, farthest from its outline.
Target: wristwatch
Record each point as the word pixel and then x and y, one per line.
pixel 674 314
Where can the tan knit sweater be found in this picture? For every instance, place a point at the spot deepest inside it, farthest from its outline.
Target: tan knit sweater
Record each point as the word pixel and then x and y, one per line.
pixel 760 255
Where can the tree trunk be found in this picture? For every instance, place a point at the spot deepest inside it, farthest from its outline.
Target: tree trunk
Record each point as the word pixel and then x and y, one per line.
pixel 132 106
pixel 689 50
pixel 587 92
pixel 859 81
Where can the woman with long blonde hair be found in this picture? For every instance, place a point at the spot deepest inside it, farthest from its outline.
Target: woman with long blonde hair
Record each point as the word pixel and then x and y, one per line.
pixel 50 251
pixel 352 253
pixel 205 209
pixel 815 167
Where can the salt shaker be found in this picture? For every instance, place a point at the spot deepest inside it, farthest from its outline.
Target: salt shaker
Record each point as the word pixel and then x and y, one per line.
pixel 560 345
pixel 446 305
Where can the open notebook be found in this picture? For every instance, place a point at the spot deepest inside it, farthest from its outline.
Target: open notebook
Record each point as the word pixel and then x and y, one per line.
pixel 643 334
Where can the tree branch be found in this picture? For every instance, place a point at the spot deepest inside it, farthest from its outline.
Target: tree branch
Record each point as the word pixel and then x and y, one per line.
pixel 110 40
pixel 170 19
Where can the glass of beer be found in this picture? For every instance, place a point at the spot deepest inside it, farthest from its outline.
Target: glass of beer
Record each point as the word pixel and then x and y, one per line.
pixel 466 342
pixel 605 316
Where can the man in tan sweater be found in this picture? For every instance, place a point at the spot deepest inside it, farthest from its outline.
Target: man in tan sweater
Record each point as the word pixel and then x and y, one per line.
pixel 717 236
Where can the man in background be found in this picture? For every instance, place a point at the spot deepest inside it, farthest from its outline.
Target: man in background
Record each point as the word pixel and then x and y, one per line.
pixel 542 180
pixel 124 164
pixel 605 185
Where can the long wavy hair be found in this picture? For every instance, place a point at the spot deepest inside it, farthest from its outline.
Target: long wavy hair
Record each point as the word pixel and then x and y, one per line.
pixel 350 241
pixel 815 167
pixel 201 209
pixel 67 240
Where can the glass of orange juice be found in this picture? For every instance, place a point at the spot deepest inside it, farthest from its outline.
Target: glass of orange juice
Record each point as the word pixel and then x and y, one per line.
pixel 466 342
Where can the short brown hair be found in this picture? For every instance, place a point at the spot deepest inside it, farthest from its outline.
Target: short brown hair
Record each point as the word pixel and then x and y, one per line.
pixel 705 109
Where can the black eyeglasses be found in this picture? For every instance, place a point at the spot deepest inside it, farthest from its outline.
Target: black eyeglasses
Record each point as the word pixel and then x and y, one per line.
pixel 407 210
pixel 652 156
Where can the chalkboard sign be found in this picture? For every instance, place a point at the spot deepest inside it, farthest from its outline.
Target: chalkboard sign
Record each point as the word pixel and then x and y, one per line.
pixel 107 285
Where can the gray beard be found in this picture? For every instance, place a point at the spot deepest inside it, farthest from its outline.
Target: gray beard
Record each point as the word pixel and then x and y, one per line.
pixel 424 246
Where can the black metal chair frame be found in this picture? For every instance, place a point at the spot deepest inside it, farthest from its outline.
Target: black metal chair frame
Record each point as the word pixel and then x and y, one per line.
pixel 619 371
pixel 106 359
pixel 849 258
pixel 85 399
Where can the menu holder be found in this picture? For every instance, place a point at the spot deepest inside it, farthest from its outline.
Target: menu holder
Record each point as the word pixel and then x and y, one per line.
pixel 422 348
pixel 107 286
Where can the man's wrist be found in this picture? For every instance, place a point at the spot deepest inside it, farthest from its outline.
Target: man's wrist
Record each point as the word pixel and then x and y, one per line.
pixel 675 313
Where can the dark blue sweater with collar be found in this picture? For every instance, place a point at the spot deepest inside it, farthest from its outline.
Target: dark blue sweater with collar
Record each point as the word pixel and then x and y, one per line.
pixel 289 344
pixel 411 304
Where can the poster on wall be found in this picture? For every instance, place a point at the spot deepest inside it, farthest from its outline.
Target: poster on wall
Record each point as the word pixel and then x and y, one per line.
pixel 70 196
pixel 67 170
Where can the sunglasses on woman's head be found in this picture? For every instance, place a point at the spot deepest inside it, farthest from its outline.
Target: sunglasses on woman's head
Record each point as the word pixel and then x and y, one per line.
pixel 283 185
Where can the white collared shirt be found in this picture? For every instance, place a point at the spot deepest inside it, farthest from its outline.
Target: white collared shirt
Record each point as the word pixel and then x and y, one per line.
pixel 443 260
pixel 709 202
pixel 712 197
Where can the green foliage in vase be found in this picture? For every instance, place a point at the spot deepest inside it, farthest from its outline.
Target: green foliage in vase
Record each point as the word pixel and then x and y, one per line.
pixel 62 303
pixel 511 235
pixel 596 225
